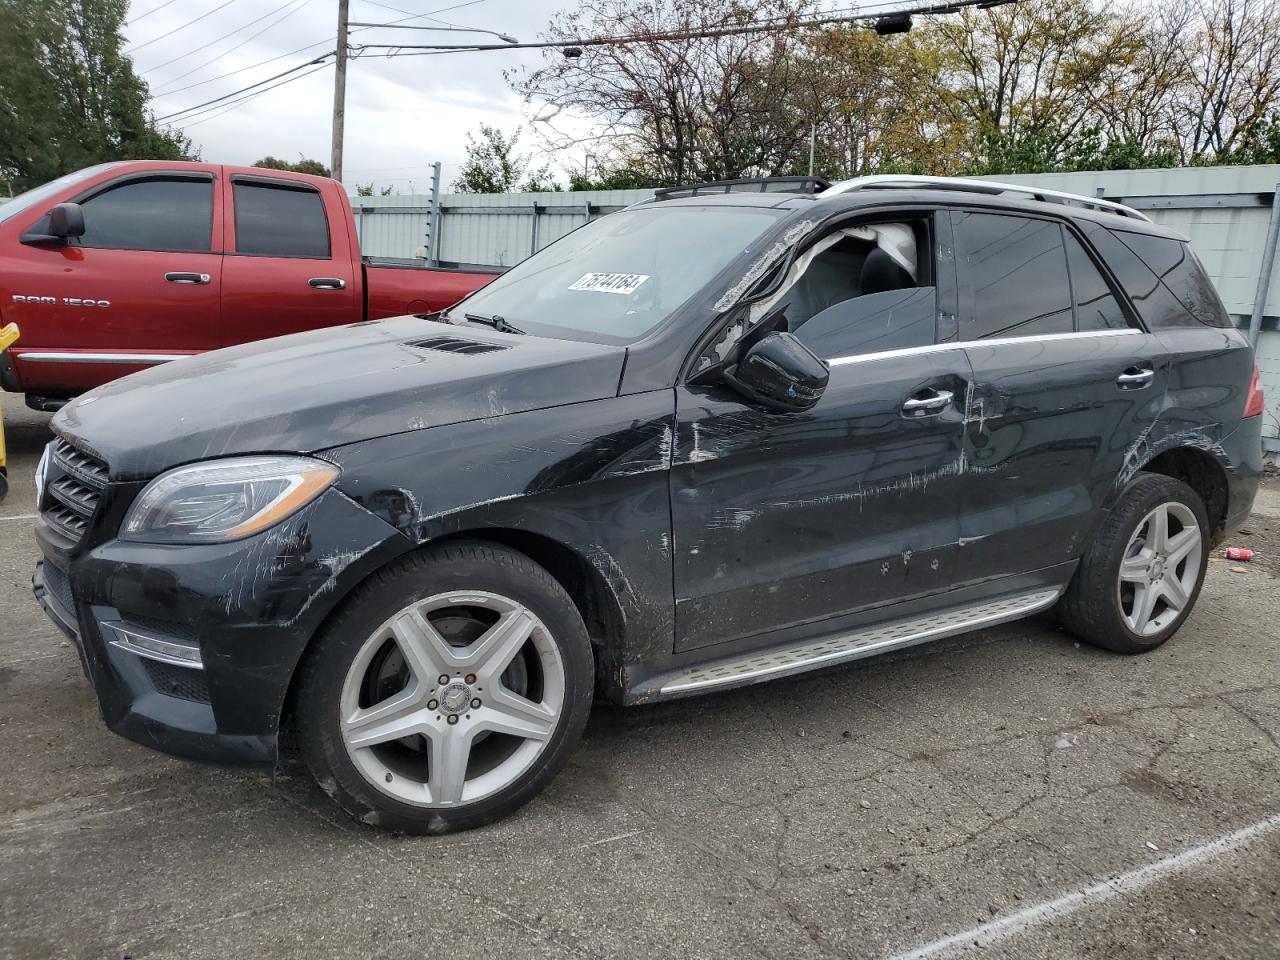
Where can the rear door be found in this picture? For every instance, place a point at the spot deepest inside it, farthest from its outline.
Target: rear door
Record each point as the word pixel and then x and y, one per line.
pixel 141 286
pixel 287 267
pixel 793 520
pixel 1066 388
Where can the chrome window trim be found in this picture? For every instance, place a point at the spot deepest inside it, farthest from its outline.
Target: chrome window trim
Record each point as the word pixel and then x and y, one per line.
pixel 968 344
pixel 57 357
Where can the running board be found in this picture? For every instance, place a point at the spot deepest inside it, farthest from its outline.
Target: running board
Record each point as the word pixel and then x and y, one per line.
pixel 758 665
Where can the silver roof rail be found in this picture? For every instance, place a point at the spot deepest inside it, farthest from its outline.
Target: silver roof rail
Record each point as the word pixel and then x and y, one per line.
pixel 990 187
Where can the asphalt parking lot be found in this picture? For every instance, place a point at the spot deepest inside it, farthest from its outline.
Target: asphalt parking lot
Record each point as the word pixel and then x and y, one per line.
pixel 1003 794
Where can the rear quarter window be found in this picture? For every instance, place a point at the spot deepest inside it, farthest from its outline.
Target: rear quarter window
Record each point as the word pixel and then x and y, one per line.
pixel 1178 268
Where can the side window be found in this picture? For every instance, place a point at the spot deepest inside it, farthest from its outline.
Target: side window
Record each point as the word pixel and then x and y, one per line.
pixel 1177 267
pixel 162 215
pixel 1013 276
pixel 864 289
pixel 276 221
pixel 1096 305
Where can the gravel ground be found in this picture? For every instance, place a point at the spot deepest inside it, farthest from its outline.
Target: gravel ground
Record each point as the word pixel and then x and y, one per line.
pixel 1006 793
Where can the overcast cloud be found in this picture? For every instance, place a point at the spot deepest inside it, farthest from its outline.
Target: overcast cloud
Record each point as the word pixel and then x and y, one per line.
pixel 402 113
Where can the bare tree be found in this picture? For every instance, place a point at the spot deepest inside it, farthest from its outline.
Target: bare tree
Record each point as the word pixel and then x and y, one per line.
pixel 1231 59
pixel 694 107
pixel 1028 68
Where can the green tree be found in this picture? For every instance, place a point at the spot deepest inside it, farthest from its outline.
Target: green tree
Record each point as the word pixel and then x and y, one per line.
pixel 303 165
pixel 625 176
pixel 68 96
pixel 367 190
pixel 494 165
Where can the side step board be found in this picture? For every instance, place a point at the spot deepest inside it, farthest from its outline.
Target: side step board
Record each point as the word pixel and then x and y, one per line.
pixel 770 664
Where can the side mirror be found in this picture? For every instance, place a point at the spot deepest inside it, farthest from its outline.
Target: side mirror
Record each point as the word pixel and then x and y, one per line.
pixel 66 220
pixel 63 221
pixel 781 373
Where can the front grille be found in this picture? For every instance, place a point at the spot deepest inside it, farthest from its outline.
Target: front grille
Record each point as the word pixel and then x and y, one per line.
pixel 74 481
pixel 173 681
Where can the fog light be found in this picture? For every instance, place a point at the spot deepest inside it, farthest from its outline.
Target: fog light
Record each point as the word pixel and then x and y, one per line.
pixel 128 637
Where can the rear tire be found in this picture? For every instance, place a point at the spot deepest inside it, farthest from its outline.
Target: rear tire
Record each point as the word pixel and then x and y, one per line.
pixel 1141 575
pixel 448 691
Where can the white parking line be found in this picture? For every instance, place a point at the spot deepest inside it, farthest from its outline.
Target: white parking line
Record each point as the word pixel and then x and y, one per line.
pixel 986 934
pixel 21 516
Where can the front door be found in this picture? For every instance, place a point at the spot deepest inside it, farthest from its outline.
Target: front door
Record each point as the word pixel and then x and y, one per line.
pixel 139 287
pixel 1066 388
pixel 783 520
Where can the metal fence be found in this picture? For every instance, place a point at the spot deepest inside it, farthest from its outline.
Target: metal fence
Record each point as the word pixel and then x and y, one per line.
pixel 479 229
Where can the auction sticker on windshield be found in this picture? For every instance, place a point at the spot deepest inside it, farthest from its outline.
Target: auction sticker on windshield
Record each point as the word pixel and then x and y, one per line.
pixel 623 283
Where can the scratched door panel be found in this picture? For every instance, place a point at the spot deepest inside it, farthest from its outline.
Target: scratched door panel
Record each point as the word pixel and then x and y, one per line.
pixel 787 518
pixel 1049 434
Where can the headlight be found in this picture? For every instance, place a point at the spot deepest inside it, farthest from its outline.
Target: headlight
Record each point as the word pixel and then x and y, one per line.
pixel 222 500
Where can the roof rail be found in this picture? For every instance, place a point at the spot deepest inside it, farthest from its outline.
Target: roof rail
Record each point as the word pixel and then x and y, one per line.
pixel 990 187
pixel 747 185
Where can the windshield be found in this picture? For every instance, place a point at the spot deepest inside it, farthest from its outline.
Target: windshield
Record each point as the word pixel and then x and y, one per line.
pixel 24 201
pixel 616 279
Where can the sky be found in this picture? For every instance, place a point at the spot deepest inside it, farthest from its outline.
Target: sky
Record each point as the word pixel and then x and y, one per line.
pixel 402 113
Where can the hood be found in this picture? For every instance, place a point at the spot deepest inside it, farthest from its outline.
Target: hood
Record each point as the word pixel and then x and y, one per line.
pixel 325 388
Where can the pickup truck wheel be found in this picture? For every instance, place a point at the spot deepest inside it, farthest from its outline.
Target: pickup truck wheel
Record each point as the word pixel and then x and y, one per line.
pixel 1139 579
pixel 447 692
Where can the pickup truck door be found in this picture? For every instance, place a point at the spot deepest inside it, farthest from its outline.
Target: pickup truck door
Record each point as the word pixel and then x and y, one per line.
pixel 141 286
pixel 289 264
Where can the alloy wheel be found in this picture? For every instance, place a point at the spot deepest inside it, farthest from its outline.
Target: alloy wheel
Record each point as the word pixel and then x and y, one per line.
pixel 452 699
pixel 1160 567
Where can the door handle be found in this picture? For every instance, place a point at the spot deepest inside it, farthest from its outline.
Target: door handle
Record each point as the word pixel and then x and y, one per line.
pixel 1135 378
pixel 933 401
pixel 327 283
pixel 181 277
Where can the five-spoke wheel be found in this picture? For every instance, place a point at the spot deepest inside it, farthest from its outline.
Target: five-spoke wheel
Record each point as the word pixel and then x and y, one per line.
pixel 448 690
pixel 1141 574
pixel 452 698
pixel 1160 569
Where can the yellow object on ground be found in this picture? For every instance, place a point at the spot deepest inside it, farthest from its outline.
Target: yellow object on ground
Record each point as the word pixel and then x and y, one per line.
pixel 8 334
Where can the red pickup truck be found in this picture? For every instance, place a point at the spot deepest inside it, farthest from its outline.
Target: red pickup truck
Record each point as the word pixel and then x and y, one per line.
pixel 125 265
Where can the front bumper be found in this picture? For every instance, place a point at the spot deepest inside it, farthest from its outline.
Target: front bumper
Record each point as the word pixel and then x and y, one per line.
pixel 249 608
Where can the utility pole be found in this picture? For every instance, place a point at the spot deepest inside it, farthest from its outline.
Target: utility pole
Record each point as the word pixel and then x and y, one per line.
pixel 339 92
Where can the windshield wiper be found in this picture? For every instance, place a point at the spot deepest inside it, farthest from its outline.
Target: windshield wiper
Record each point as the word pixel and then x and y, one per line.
pixel 498 323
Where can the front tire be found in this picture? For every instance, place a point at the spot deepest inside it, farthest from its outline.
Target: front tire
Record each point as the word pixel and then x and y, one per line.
pixel 448 691
pixel 1140 577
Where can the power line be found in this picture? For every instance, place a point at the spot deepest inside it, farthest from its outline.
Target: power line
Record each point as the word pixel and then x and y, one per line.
pixel 205 46
pixel 247 40
pixel 771 25
pixel 412 16
pixel 430 15
pixel 227 108
pixel 143 16
pixel 232 73
pixel 216 100
pixel 181 27
pixel 263 63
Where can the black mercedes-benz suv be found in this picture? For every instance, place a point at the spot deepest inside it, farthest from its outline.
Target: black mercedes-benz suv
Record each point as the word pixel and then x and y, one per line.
pixel 703 442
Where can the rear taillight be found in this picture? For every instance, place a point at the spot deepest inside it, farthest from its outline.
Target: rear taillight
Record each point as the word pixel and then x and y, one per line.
pixel 1253 406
